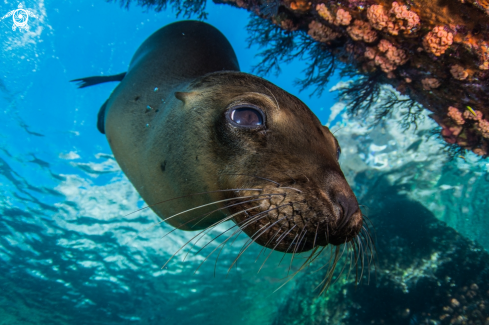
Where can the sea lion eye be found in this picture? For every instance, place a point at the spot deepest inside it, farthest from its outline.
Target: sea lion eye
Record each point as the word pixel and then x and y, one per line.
pixel 338 153
pixel 247 116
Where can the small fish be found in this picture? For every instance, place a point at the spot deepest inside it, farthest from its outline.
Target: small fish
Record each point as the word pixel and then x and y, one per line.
pixel 471 110
pixel 462 157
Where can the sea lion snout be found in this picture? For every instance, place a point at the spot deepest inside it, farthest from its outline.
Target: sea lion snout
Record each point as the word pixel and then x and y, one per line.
pixel 347 213
pixel 349 219
pixel 302 214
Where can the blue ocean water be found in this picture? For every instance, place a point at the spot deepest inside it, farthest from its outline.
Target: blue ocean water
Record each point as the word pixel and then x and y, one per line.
pixel 71 252
pixel 68 252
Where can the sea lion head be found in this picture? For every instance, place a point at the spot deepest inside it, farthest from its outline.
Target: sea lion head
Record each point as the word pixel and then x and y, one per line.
pixel 251 134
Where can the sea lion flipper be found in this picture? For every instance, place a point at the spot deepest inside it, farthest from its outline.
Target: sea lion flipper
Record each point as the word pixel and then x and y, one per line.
pixel 91 81
pixel 101 118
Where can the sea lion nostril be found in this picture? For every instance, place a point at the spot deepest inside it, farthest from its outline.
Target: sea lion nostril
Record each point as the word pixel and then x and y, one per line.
pixel 349 207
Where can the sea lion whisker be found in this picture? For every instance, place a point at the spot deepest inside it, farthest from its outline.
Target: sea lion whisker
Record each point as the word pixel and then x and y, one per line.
pixel 218 223
pixel 266 245
pixel 344 264
pixel 329 275
pixel 335 263
pixel 255 218
pixel 369 260
pixel 211 226
pixel 351 250
pixel 245 223
pixel 298 270
pixel 254 239
pixel 361 249
pixel 276 102
pixel 329 270
pixel 315 236
pixel 189 195
pixel 281 262
pixel 338 129
pixel 215 202
pixel 222 247
pixel 361 258
pixel 355 257
pixel 363 237
pixel 368 246
pixel 368 223
pixel 367 220
pixel 227 206
pixel 292 188
pixel 318 253
pixel 296 247
pixel 247 244
pixel 204 205
pixel 224 242
pixel 370 242
pixel 367 231
pixel 293 180
pixel 207 214
pixel 345 221
pixel 279 240
pixel 292 242
pixel 371 249
pixel 360 254
pixel 308 260
pixel 222 221
pixel 329 260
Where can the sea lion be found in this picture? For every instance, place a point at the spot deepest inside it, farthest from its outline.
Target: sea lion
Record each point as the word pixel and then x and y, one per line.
pixel 203 143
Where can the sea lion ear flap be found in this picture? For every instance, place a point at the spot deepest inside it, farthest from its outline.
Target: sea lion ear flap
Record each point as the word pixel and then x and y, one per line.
pixel 184 96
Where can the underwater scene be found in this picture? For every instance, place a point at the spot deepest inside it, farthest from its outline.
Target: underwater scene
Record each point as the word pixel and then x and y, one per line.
pixel 244 162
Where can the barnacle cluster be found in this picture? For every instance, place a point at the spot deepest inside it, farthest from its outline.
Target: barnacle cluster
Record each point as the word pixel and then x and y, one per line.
pixel 459 128
pixel 398 18
pixel 362 31
pixel 320 32
pixel 438 40
pixel 343 17
pixel 386 56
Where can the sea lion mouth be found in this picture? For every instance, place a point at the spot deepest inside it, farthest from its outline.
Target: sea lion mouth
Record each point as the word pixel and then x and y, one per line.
pixel 291 220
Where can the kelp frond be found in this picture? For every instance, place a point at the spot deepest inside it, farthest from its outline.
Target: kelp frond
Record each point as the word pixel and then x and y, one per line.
pixel 322 66
pixel 185 8
pixel 362 94
pixel 283 47
pixel 366 96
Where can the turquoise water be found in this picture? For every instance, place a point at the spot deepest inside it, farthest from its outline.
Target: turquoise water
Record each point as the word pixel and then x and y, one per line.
pixel 70 253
